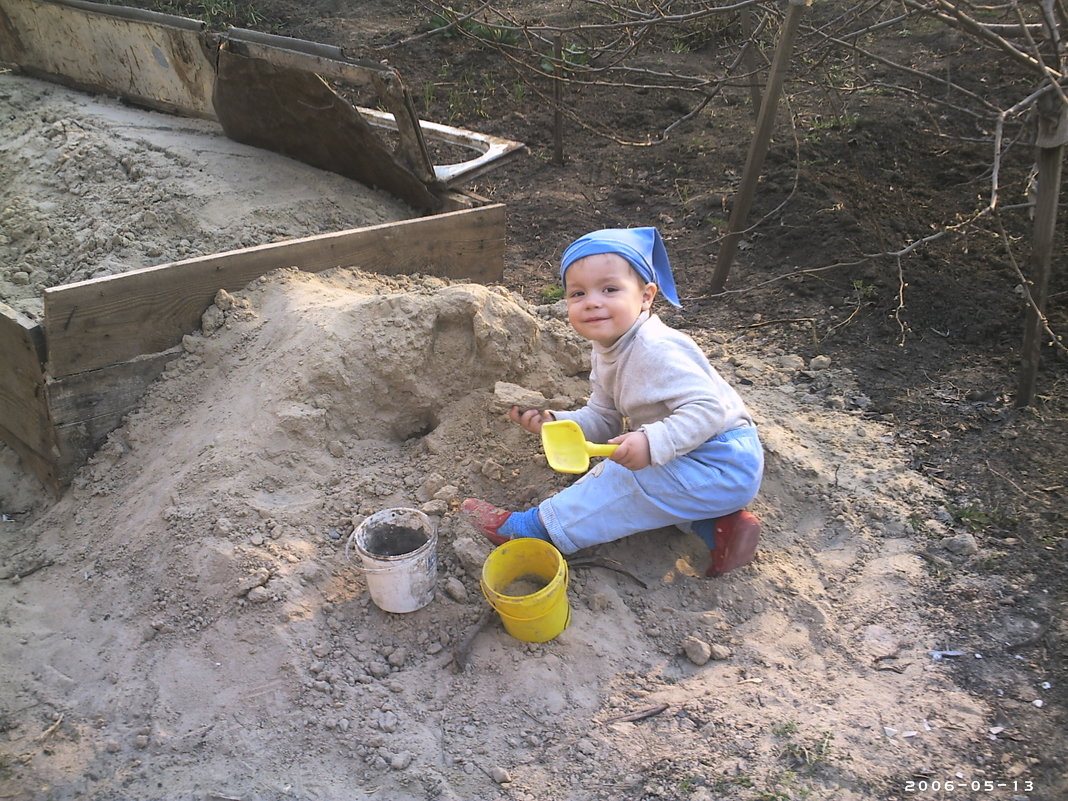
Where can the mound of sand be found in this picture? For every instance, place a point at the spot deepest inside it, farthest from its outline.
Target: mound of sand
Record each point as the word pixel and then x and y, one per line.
pixel 184 622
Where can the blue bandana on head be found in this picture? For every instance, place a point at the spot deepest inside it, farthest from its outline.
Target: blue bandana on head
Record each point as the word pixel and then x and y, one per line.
pixel 641 247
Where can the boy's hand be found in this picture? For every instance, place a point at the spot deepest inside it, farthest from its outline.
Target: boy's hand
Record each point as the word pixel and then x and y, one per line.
pixel 633 450
pixel 530 419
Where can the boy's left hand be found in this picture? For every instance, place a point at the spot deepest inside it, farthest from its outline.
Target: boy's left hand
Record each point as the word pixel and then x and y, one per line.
pixel 633 450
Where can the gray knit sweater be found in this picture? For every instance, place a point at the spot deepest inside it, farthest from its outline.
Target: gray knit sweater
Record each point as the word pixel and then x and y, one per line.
pixel 657 380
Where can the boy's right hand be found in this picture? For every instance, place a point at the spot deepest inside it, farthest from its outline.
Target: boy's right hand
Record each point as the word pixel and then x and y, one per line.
pixel 530 419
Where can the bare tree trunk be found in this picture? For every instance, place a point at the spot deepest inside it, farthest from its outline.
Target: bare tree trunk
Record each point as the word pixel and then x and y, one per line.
pixel 759 146
pixel 1050 141
pixel 749 57
pixel 558 119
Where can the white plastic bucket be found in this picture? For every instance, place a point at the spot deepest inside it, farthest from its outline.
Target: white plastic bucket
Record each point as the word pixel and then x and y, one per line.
pixel 399 552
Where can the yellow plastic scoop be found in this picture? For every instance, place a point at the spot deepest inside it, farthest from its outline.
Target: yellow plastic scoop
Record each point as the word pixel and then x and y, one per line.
pixel 566 447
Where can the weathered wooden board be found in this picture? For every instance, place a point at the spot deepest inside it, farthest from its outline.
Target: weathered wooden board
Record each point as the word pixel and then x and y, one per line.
pixel 103 321
pixel 274 107
pixel 331 62
pixel 24 419
pixel 88 406
pixel 155 60
pixel 107 393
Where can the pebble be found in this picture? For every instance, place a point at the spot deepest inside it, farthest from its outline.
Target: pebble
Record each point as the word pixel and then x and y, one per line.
pixel 257 578
pixel 448 493
pixel 259 595
pixel 500 775
pixel 388 722
pixel 962 544
pixel 720 652
pixel 599 602
pixel 455 589
pixel 401 761
pixel 433 483
pixel 434 508
pixel 508 395
pixel 225 301
pixel 212 319
pixel 492 470
pixel 697 651
pixel 471 554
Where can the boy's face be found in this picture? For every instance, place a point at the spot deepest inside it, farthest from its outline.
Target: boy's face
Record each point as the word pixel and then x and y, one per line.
pixel 605 296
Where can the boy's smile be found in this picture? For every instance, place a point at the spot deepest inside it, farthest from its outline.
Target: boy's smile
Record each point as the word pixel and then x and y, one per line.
pixel 605 296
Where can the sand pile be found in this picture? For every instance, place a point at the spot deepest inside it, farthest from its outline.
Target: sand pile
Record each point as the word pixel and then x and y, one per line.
pixel 189 626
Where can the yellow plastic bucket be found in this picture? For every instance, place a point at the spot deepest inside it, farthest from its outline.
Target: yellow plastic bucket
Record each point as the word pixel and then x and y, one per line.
pixel 525 580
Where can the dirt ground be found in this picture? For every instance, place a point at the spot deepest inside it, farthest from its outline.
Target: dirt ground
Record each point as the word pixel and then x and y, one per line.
pixel 185 621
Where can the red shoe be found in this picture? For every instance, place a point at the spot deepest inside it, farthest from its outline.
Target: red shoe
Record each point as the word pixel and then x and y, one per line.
pixel 736 542
pixel 486 519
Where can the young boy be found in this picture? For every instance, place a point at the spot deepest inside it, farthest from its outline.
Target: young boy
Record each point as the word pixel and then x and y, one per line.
pixel 688 453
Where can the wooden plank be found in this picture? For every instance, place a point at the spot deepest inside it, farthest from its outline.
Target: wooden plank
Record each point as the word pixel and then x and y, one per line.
pixel 330 62
pixel 88 406
pixel 22 404
pixel 44 467
pixel 273 107
pixel 105 394
pixel 155 60
pixel 25 424
pixel 115 318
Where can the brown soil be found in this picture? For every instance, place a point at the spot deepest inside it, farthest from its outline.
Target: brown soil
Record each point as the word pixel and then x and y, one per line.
pixel 912 508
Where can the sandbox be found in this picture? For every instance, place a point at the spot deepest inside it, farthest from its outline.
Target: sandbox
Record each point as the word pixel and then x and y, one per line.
pixel 77 360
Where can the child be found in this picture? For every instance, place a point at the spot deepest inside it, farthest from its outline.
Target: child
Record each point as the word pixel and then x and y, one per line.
pixel 688 450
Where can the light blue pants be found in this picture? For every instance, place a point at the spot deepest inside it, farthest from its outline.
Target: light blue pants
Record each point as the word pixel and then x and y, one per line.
pixel 609 502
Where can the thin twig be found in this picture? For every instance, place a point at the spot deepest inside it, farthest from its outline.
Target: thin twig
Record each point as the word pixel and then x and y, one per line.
pixel 1054 340
pixel 452 25
pixel 640 714
pixel 1017 487
pixel 50 730
pixel 29 571
pixel 607 564
pixel 782 321
pixel 463 650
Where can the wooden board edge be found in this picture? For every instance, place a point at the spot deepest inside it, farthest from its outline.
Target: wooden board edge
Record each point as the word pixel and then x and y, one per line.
pixel 106 320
